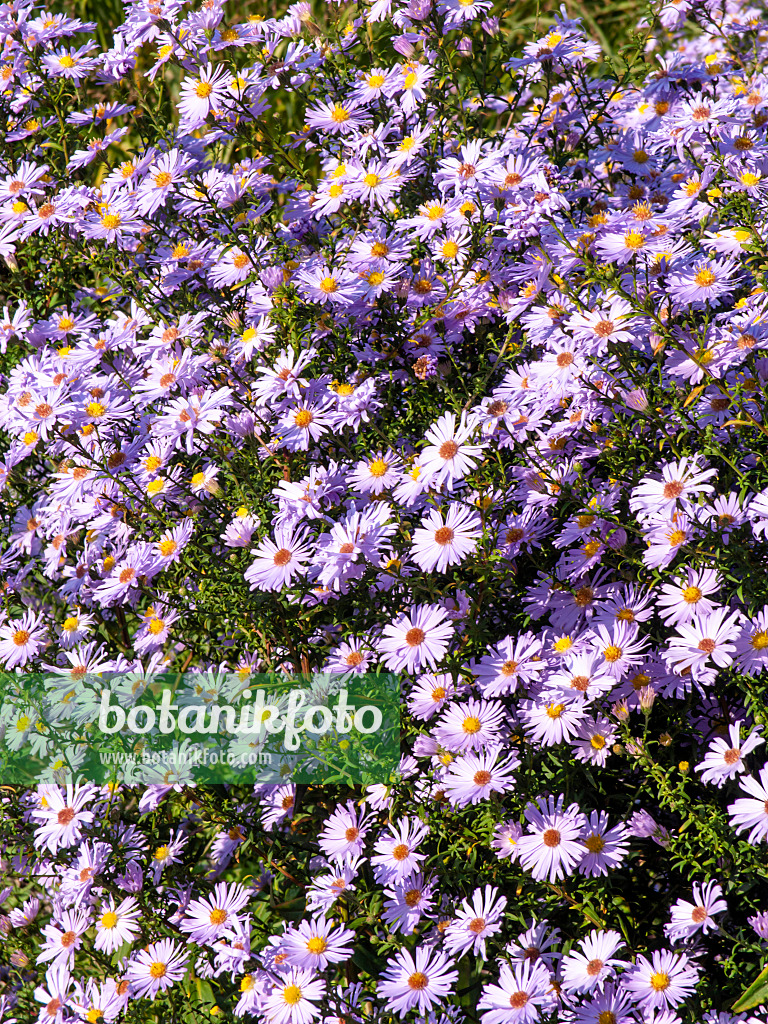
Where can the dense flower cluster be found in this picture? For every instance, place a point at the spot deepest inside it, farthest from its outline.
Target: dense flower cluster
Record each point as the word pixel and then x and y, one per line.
pixel 350 341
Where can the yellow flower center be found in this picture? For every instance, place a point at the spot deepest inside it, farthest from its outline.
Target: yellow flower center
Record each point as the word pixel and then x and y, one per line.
pixel 704 278
pixel 634 240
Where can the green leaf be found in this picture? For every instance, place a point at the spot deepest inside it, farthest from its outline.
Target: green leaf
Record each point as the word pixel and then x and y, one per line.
pixel 755 995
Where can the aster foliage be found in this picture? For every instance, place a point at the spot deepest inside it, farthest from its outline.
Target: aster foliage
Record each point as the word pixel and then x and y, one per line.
pixel 355 339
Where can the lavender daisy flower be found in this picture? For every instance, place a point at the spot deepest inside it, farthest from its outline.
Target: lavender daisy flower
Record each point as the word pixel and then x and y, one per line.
pixel 449 457
pixel 708 636
pixel 440 542
pixel 604 848
pixel 752 813
pixel 473 777
pixel 723 759
pixel 513 662
pixel 752 645
pixel 552 720
pixel 278 561
pixel 208 918
pixel 680 601
pixel 505 840
pixel 396 856
pixel 21 639
pixel 156 968
pixel 405 903
pixel 62 816
pixel 419 982
pixel 689 918
pixel 593 964
pixel 316 944
pixel 612 1006
pixel 521 992
pixel 663 981
pixel 470 725
pixel 552 848
pixel 416 639
pixel 294 997
pixel 680 482
pixel 477 920
pixel 343 836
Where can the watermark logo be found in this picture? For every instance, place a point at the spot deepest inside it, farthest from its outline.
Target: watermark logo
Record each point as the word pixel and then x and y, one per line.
pixel 200 727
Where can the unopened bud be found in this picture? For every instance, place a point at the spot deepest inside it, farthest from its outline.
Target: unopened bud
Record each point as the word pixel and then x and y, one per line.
pixel 620 710
pixel 636 400
pixel 647 696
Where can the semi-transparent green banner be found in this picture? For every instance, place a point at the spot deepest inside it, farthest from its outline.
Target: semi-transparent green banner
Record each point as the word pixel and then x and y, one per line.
pixel 194 727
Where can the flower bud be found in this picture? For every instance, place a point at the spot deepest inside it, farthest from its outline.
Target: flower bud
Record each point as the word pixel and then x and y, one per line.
pixel 620 710
pixel 636 400
pixel 647 696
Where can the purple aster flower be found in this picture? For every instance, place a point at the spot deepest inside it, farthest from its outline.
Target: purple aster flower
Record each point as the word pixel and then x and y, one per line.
pixel 552 848
pixel 752 813
pixel 440 542
pixel 315 944
pixel 416 639
pixel 520 994
pixel 666 980
pixel 470 725
pixel 605 848
pixel 689 918
pixel 723 759
pixel 419 981
pixel 473 777
pixel 278 561
pixel 594 962
pixel 477 919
